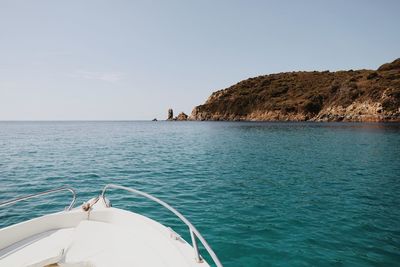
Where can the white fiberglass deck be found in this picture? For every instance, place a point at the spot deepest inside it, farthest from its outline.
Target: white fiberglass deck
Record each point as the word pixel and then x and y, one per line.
pixel 102 237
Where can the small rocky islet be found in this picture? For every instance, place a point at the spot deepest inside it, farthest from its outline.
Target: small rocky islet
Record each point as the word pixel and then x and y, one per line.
pixel 181 116
pixel 353 95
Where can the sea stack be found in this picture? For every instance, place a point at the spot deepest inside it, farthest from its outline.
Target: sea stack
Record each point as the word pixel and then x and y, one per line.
pixel 170 115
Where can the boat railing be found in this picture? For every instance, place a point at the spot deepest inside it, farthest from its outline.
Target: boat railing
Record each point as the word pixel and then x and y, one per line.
pixel 194 233
pixel 48 192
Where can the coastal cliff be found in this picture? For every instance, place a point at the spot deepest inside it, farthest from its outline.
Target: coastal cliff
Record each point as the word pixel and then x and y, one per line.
pixel 361 95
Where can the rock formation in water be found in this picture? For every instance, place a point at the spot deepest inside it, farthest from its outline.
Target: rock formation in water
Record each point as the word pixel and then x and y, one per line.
pixel 170 115
pixel 182 117
pixel 361 95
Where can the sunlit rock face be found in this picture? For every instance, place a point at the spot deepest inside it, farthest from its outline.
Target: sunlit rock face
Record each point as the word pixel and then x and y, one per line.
pixel 182 117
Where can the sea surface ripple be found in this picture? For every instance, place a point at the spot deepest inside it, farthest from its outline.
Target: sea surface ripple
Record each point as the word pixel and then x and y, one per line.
pixel 262 194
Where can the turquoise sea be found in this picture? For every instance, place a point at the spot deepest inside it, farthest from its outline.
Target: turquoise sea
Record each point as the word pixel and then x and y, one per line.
pixel 262 194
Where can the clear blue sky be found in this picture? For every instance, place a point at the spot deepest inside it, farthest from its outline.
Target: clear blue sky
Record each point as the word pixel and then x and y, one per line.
pixel 79 60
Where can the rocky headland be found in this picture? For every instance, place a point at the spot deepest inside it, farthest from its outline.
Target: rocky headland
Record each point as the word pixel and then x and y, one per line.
pixel 353 95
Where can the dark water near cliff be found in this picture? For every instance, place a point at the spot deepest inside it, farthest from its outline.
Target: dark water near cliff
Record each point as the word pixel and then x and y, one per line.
pixel 262 194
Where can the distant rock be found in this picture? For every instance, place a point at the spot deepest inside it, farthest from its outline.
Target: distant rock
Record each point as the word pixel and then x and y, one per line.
pixel 182 117
pixel 155 119
pixel 354 95
pixel 170 115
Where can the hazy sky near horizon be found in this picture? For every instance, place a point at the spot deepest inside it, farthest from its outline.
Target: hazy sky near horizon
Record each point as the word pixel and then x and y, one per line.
pixel 127 60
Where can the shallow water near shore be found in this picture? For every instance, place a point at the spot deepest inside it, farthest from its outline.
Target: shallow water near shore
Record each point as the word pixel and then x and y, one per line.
pixel 262 194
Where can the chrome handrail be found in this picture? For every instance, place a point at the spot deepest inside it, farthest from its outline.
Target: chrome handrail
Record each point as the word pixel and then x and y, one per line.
pixel 18 199
pixel 193 231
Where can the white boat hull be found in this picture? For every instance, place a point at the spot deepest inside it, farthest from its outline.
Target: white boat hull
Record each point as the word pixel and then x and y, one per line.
pixel 100 237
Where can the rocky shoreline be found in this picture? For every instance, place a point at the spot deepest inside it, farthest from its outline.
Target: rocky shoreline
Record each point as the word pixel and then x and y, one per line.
pixel 354 96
